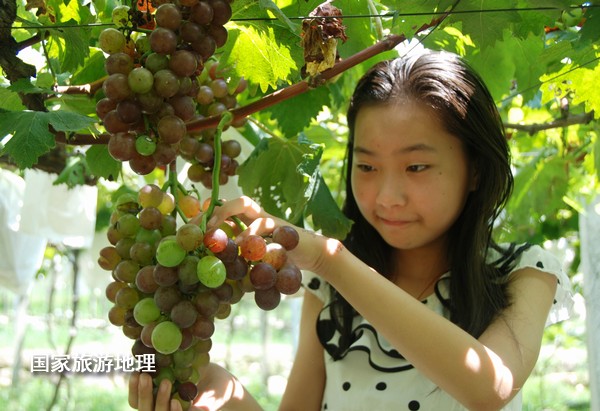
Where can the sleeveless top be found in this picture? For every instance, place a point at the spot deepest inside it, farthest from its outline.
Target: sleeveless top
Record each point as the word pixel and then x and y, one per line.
pixel 373 376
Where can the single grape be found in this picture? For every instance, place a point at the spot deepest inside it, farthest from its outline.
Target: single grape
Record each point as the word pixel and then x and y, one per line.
pixel 289 279
pixel 166 337
pixel 165 276
pixel 190 206
pixel 169 253
pixel 189 236
pixel 166 298
pixel 275 255
pixel 118 63
pixel 109 258
pixel 168 16
pixel 171 129
pixel 140 80
pixel 267 299
pixel 287 236
pixel 263 276
pixel 146 311
pixel 187 391
pixel 111 40
pixel 211 271
pixel 150 195
pixel 163 40
pixel 253 247
pixel 183 314
pixel 144 280
pixel 145 145
pixel 215 240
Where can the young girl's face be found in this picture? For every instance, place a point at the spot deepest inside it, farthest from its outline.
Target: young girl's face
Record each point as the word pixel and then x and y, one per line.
pixel 410 177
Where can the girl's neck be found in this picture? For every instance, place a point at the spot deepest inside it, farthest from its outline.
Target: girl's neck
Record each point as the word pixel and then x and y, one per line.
pixel 416 271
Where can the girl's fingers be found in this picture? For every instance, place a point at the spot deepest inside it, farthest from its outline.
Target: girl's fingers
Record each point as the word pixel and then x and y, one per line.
pixel 134 381
pixel 163 398
pixel 239 206
pixel 145 398
pixel 260 226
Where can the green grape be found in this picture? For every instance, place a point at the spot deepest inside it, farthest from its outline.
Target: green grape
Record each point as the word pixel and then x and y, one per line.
pixel 211 271
pixel 166 337
pixel 146 311
pixel 150 196
pixel 145 145
pixel 140 80
pixel 169 253
pixel 111 40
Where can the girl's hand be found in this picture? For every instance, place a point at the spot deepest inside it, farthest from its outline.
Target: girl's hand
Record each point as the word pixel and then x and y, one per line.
pixel 142 399
pixel 313 250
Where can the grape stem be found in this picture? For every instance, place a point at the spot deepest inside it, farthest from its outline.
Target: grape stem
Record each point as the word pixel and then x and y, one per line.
pixel 214 194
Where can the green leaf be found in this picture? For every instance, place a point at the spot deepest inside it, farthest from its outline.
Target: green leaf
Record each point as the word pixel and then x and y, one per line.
pixel 74 173
pixel 93 69
pixel 295 114
pixel 486 28
pixel 9 100
pixel 25 86
pixel 277 174
pixel 326 215
pixel 31 136
pixel 72 47
pixel 101 163
pixel 257 51
pixel 590 31
pixel 272 7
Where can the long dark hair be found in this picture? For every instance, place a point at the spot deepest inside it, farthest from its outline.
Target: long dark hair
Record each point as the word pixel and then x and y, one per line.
pixel 445 83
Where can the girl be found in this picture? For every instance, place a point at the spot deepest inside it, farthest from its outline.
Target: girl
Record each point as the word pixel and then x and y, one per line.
pixel 418 308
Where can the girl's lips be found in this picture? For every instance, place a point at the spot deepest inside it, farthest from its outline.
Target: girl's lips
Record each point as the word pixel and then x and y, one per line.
pixel 396 223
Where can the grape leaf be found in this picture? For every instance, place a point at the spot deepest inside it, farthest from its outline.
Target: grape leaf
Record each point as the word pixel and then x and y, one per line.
pixel 326 215
pixel 31 136
pixel 257 50
pixel 590 31
pixel 277 173
pixel 9 100
pixel 25 86
pixel 101 163
pixel 74 173
pixel 487 27
pixel 295 114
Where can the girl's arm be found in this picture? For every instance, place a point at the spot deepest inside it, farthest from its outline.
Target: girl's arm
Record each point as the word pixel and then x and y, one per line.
pixel 481 374
pixel 304 391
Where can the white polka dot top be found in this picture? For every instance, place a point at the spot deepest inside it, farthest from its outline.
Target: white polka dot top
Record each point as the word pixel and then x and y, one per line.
pixel 373 376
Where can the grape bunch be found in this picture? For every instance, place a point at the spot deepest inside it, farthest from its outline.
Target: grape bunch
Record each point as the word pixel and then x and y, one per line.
pixel 153 89
pixel 171 283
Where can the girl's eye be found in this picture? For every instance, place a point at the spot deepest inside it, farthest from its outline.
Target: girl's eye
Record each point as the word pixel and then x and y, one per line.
pixel 364 168
pixel 415 168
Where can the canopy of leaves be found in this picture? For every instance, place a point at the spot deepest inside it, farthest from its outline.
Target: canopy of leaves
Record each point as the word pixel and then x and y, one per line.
pixel 539 66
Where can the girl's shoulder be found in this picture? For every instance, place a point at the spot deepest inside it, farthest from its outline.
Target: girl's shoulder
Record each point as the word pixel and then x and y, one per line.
pixel 511 258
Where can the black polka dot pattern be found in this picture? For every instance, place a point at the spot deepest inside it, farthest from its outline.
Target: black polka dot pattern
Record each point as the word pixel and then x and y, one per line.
pixel 346 386
pixel 540 264
pixel 314 284
pixel 325 329
pixel 414 405
pixel 381 386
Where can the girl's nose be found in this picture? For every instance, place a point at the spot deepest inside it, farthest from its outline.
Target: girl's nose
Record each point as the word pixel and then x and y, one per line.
pixel 391 193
